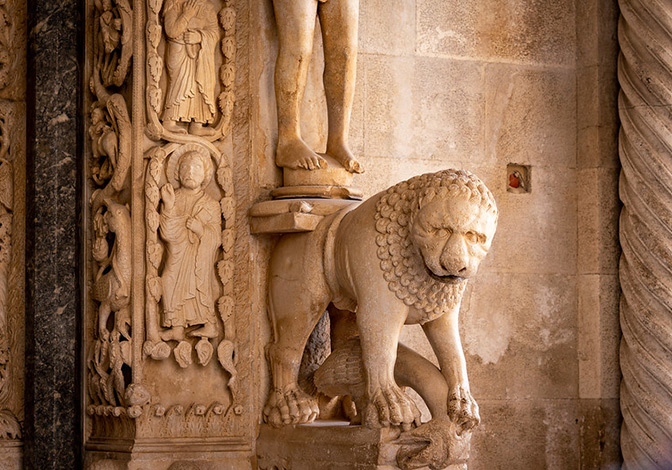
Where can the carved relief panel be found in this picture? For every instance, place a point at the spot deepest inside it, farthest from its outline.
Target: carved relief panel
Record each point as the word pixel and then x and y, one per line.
pixel 12 231
pixel 161 348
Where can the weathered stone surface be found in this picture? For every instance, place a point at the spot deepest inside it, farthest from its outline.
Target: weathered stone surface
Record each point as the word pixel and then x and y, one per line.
pixel 599 336
pixel 520 336
pixel 536 32
pixel 500 445
pixel 429 108
pixel 530 115
pixel 387 27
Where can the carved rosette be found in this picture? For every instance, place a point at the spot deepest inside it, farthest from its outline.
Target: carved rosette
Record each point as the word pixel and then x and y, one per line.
pixel 645 68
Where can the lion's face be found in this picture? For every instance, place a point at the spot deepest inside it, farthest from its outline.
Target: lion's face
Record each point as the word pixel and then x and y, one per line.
pixel 453 236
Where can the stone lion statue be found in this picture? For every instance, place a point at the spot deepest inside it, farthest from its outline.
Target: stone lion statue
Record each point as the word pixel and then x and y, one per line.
pixel 404 256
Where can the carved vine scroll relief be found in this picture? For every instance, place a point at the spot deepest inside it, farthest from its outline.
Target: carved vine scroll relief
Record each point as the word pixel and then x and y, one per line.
pixel 9 425
pixel 189 198
pixel 12 206
pixel 110 134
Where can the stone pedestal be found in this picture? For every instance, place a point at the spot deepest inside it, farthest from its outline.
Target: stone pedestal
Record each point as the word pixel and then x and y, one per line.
pixel 12 454
pixel 293 215
pixel 332 182
pixel 332 445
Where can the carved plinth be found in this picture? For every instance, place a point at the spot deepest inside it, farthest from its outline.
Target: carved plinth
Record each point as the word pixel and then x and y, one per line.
pixel 293 215
pixel 335 445
pixel 11 454
pixel 168 454
pixel 332 182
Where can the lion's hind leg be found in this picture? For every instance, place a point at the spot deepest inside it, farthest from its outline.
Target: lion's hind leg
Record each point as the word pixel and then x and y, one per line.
pixel 297 299
pixel 287 402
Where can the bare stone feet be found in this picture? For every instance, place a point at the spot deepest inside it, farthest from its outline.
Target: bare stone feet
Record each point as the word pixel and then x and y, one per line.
pixel 295 154
pixel 197 128
pixel 173 126
pixel 342 154
pixel 291 405
pixel 175 333
pixel 389 406
pixel 209 330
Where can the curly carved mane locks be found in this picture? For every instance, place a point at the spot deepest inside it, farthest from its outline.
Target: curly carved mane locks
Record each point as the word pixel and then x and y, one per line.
pixel 400 261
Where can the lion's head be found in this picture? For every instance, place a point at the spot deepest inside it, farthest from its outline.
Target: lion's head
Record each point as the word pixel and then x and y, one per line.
pixel 434 230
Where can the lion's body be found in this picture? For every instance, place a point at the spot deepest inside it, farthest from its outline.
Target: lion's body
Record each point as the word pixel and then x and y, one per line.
pixel 349 260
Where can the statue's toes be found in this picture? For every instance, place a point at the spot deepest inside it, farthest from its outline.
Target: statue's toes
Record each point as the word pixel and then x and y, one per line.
pixel 353 166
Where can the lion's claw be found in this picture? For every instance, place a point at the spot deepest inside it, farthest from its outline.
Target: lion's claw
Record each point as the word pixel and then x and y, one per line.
pixel 290 405
pixel 390 407
pixel 463 409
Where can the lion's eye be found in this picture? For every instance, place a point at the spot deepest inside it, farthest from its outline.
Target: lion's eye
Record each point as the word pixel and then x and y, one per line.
pixel 442 232
pixel 474 237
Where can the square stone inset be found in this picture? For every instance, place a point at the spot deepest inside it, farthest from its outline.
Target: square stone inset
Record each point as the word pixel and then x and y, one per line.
pixel 518 178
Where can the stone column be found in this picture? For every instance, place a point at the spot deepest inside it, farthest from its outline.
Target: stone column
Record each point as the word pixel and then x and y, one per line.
pixel 52 300
pixel 645 71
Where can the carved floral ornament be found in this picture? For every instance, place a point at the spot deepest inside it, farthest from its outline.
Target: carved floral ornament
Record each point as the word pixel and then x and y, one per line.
pixel 188 199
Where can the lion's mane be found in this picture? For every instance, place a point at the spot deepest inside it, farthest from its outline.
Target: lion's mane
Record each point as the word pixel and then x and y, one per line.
pixel 401 262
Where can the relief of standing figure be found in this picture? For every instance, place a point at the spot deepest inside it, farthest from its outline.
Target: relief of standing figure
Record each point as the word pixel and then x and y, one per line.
pixel 192 32
pixel 190 224
pixel 296 27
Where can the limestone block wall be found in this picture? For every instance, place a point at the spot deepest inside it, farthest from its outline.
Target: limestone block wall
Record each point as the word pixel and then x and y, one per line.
pixel 480 85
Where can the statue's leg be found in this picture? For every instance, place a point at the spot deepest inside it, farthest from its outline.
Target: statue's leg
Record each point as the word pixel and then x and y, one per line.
pixel 380 324
pixel 296 26
pixel 339 22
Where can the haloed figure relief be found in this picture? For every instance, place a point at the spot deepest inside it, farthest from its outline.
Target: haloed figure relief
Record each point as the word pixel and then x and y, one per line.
pixel 190 225
pixel 192 35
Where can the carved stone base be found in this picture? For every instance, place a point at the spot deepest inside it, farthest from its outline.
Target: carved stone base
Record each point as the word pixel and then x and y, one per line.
pixel 332 182
pixel 332 445
pixel 168 454
pixel 293 215
pixel 11 455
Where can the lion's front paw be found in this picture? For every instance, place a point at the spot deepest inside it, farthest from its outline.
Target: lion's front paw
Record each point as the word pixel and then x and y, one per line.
pixel 390 406
pixel 462 408
pixel 291 405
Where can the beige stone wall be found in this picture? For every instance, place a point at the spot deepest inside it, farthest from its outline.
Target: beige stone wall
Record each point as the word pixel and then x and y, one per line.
pixel 477 85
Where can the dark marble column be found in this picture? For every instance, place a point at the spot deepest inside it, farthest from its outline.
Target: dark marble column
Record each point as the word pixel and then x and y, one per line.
pixel 52 429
